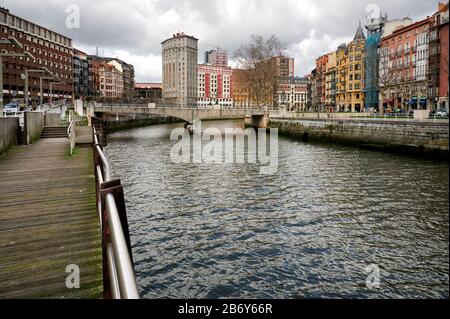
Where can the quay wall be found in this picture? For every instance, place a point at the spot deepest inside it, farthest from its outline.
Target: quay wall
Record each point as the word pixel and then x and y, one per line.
pixel 52 119
pixel 9 131
pixel 34 125
pixel 124 124
pixel 405 136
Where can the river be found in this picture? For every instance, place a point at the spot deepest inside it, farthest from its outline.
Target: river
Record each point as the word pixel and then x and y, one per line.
pixel 333 222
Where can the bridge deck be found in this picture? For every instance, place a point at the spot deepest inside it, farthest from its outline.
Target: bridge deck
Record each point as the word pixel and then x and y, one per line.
pixel 48 221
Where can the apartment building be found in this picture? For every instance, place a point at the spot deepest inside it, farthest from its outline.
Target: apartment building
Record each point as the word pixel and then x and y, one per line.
pixel 292 94
pixel 215 86
pixel 179 70
pixel 217 58
pixel 404 59
pixel 350 74
pixel 284 66
pixel 321 68
pixel 240 90
pixel 80 74
pixel 438 60
pixel 127 70
pixel 51 50
pixel 111 81
pixel 330 83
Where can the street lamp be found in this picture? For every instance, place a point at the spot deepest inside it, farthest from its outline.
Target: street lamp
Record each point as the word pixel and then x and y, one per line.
pixel 27 72
pixel 24 54
pixel 51 90
pixel 41 100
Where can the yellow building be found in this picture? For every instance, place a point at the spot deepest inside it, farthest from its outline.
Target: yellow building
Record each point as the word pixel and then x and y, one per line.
pixel 350 74
pixel 330 83
pixel 341 77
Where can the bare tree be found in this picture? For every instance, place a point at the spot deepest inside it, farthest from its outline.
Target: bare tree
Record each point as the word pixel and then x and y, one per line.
pixel 259 68
pixel 387 77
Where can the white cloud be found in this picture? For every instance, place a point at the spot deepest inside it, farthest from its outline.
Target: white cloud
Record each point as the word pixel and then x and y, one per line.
pixel 134 29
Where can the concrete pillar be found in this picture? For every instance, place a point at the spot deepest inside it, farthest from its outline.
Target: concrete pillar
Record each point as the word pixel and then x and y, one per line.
pixel 260 121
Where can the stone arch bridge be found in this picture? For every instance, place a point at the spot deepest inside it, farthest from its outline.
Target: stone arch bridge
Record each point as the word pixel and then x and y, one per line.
pixel 190 115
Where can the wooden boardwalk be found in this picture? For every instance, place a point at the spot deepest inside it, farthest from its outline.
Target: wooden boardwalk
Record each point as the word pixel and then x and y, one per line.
pixel 48 220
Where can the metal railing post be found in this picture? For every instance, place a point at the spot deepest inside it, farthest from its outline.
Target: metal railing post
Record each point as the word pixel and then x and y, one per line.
pixel 119 280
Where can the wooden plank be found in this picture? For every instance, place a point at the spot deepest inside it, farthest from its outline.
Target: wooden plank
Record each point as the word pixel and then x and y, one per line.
pixel 48 220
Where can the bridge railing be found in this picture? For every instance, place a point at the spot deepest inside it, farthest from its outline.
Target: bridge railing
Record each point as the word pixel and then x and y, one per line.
pixel 71 132
pixel 119 279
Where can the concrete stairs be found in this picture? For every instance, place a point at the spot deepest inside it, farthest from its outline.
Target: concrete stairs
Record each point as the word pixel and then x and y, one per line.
pixel 54 132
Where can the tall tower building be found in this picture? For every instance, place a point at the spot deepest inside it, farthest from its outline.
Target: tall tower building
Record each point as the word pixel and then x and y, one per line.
pixel 179 70
pixel 217 58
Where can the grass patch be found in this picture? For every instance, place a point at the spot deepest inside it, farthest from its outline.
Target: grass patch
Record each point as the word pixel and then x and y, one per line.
pixel 75 152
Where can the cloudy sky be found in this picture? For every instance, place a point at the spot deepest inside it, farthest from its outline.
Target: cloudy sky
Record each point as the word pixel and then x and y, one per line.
pixel 134 29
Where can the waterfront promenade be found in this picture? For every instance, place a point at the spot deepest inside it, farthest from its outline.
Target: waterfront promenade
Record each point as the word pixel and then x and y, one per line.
pixel 48 221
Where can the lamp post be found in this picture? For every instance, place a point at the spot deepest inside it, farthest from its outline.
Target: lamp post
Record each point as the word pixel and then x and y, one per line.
pixel 24 54
pixel 51 91
pixel 41 100
pixel 27 72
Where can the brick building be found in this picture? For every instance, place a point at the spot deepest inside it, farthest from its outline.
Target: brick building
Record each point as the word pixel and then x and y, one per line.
pixel 438 76
pixel 217 58
pixel 111 81
pixel 51 50
pixel 404 61
pixel 215 86
pixel 292 94
pixel 240 90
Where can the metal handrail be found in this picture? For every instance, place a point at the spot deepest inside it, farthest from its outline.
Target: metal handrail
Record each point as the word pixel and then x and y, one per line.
pixel 70 128
pixel 120 267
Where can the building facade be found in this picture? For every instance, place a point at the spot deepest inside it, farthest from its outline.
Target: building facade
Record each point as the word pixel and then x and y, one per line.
pixel 95 63
pixel 50 49
pixel 312 94
pixel 284 66
pixel 377 28
pixel 152 91
pixel 111 81
pixel 217 57
pixel 292 94
pixel 240 90
pixel 94 76
pixel 321 68
pixel 403 71
pixel 215 86
pixel 438 62
pixel 330 83
pixel 341 78
pixel 80 75
pixel 179 70
pixel 350 74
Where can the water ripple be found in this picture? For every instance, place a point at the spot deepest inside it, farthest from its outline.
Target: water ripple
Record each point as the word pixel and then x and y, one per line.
pixel 212 231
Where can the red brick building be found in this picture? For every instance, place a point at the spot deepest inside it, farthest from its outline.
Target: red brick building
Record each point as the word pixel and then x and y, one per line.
pixel 442 20
pixel 215 86
pixel 50 49
pixel 321 68
pixel 404 67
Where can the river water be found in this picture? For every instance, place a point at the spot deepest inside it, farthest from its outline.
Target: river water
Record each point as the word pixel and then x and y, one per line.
pixel 334 222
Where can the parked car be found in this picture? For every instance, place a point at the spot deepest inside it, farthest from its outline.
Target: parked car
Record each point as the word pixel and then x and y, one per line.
pixel 12 108
pixel 442 113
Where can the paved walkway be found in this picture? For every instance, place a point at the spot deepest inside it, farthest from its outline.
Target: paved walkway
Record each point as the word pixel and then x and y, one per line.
pixel 48 221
